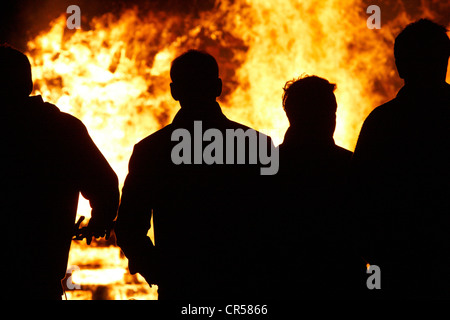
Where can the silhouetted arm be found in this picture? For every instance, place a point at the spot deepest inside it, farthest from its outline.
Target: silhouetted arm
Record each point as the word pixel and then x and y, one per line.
pixel 368 172
pixel 134 217
pixel 98 183
pixel 372 150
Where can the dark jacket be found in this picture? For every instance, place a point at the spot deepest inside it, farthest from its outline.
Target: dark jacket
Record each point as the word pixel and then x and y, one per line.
pixel 402 182
pixel 48 158
pixel 312 221
pixel 205 216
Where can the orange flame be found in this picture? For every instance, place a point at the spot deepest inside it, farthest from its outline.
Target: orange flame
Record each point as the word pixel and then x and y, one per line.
pixel 115 77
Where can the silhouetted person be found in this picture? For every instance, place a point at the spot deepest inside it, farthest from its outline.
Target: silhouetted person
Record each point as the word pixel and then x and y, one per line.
pixel 205 215
pixel 47 159
pixel 311 183
pixel 402 171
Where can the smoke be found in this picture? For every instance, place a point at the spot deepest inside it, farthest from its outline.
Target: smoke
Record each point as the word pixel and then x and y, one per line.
pixel 23 20
pixel 207 25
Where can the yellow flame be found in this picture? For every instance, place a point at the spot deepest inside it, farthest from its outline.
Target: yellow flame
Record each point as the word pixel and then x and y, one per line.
pixel 115 77
pixel 99 276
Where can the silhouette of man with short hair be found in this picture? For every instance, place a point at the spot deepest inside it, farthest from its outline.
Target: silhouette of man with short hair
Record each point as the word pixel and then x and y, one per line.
pixel 402 171
pixel 312 180
pixel 205 215
pixel 48 158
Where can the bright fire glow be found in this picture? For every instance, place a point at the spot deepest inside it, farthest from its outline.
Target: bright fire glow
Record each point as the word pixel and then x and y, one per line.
pixel 115 78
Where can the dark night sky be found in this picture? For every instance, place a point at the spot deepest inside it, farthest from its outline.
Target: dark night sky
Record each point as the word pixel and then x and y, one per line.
pixel 23 19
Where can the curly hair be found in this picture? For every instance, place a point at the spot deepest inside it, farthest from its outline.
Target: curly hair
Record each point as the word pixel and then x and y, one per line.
pixel 309 96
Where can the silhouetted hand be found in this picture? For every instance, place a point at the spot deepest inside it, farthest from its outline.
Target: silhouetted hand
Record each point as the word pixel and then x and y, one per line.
pixel 94 229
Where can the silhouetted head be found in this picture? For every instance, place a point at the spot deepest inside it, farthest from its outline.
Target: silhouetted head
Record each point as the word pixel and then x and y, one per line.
pixel 311 106
pixel 195 78
pixel 421 52
pixel 15 73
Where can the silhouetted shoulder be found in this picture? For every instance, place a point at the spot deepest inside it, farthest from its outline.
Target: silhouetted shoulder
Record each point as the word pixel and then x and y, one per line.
pixel 380 115
pixel 378 127
pixel 237 125
pixel 447 92
pixel 70 120
pixel 51 116
pixel 154 150
pixel 66 119
pixel 158 140
pixel 343 153
pixel 406 101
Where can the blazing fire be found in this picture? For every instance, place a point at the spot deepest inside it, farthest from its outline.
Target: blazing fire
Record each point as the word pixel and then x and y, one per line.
pixel 115 78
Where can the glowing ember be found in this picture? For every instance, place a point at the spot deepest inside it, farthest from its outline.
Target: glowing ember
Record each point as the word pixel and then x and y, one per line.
pixel 115 78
